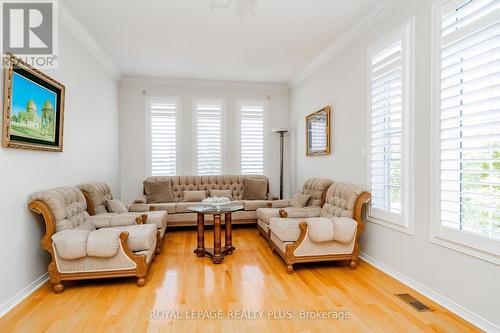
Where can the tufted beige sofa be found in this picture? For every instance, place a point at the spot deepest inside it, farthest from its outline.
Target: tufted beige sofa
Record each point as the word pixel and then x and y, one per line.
pixel 96 194
pixel 87 247
pixel 316 187
pixel 330 234
pixel 178 213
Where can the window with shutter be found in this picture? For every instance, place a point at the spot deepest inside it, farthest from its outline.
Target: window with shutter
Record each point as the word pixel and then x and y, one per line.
pixel 162 121
pixel 208 151
pixel 389 152
pixel 252 137
pixel 467 123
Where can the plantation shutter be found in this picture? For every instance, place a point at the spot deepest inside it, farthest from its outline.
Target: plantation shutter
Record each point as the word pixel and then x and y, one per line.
pixel 252 119
pixel 469 126
pixel 163 150
pixel 386 131
pixel 209 138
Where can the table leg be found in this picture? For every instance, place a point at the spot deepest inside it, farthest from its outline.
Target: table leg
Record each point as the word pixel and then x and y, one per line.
pixel 200 250
pixel 229 234
pixel 218 257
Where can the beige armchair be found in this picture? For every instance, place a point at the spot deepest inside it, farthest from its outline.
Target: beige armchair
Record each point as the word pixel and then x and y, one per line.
pixel 86 247
pixel 315 187
pixel 96 194
pixel 332 233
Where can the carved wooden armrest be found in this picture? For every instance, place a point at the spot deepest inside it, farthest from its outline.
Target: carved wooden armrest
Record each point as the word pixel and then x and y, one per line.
pixel 144 218
pixel 269 205
pixel 283 213
pixel 152 208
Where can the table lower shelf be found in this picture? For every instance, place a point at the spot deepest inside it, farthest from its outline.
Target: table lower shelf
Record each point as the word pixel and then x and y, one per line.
pixel 216 259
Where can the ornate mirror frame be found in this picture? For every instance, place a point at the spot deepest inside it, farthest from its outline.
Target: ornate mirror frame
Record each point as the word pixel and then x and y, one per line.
pixel 322 116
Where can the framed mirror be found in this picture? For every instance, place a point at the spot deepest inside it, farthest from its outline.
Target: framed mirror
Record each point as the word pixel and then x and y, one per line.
pixel 318 133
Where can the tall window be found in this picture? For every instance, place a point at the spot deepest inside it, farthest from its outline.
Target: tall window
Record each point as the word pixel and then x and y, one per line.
pixel 162 118
pixel 252 137
pixel 208 152
pixel 389 84
pixel 468 122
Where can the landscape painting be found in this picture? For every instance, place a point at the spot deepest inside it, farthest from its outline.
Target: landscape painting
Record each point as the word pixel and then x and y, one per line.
pixel 33 108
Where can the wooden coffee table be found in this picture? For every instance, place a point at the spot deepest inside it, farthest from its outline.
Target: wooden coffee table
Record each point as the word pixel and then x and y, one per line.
pixel 217 253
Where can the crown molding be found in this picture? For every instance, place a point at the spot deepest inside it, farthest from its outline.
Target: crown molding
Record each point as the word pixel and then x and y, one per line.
pixel 195 83
pixel 376 12
pixel 71 23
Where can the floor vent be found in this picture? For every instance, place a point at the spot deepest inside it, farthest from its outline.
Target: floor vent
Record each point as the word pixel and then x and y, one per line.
pixel 413 302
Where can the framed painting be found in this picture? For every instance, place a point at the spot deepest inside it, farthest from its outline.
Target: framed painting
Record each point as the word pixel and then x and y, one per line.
pixel 33 110
pixel 318 133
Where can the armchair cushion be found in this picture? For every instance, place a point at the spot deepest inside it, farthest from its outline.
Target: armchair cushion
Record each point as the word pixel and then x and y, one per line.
pixel 116 206
pixel 345 229
pixel 108 220
pixel 255 188
pixel 300 200
pixel 254 204
pixel 137 208
pixel 99 192
pixel 71 244
pixel 140 237
pixel 304 212
pixel 103 243
pixel 141 200
pixel 321 229
pixel 280 203
pixel 265 214
pixel 286 229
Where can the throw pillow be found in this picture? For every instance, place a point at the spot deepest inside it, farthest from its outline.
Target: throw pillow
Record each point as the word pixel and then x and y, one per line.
pixel 116 206
pixel 222 194
pixel 158 192
pixel 300 200
pixel 254 188
pixel 194 196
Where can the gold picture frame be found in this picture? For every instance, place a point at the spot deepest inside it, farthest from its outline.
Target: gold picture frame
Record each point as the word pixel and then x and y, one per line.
pixel 33 109
pixel 318 133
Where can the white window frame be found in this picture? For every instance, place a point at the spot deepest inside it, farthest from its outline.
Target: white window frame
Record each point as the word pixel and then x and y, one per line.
pixel 178 102
pixel 195 130
pixel 238 104
pixel 405 33
pixel 472 244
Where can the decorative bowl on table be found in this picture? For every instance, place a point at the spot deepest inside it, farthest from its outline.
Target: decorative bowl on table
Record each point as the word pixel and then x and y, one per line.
pixel 216 203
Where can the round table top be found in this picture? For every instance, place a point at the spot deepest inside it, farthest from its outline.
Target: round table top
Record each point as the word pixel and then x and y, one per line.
pixel 205 209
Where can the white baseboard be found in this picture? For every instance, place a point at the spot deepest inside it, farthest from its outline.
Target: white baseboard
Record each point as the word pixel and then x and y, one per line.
pixel 459 310
pixel 17 298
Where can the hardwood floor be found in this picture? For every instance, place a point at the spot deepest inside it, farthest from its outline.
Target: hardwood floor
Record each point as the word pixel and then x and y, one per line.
pixel 250 279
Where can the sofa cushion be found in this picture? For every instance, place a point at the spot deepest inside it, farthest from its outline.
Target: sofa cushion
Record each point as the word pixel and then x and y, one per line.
pixel 99 192
pixel 182 207
pixel 116 206
pixel 254 204
pixel 316 187
pixel 108 220
pixel 140 237
pixel 255 188
pixel 168 207
pixel 221 193
pixel 287 230
pixel 71 244
pixel 345 229
pixel 158 192
pixel 265 214
pixel 194 196
pixel 137 208
pixel 340 200
pixel 300 200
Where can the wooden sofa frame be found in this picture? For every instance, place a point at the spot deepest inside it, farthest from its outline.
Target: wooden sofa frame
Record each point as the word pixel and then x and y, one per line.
pixel 290 258
pixel 91 211
pixel 56 278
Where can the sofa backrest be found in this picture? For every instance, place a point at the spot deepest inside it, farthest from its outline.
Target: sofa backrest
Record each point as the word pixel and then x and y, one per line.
pixel 68 206
pixel 198 183
pixel 98 193
pixel 340 200
pixel 316 187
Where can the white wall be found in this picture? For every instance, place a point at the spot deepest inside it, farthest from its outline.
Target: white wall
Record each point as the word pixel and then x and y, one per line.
pixel 341 83
pixel 133 125
pixel 91 152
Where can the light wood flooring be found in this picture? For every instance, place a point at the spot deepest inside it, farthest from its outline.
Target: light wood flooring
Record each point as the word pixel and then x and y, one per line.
pixel 251 279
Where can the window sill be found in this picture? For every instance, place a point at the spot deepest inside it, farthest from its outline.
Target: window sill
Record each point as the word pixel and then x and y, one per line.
pixel 398 227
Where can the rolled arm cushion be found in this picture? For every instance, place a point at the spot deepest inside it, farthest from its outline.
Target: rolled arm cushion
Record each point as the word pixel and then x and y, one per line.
pixel 113 220
pixel 140 237
pixel 103 243
pixel 71 244
pixel 286 229
pixel 138 207
pixel 303 212
pixel 340 229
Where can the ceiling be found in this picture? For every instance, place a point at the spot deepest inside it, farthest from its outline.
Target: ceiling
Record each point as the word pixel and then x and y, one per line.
pixel 237 40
